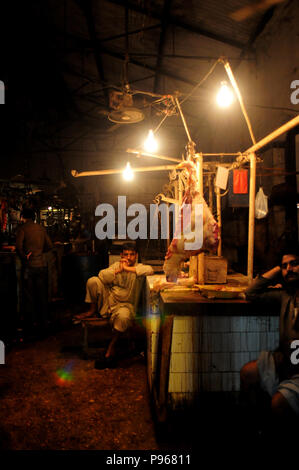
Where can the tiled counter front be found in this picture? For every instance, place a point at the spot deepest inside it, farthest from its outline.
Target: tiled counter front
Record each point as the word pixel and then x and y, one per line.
pixel 210 342
pixel 207 352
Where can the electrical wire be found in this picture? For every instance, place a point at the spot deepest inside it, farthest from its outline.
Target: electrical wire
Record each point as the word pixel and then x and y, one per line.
pixel 201 82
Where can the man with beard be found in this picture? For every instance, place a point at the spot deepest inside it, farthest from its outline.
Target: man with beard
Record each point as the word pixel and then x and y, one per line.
pixel 273 371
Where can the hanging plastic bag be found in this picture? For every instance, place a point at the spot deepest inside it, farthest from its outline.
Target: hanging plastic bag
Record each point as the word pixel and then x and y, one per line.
pixel 261 204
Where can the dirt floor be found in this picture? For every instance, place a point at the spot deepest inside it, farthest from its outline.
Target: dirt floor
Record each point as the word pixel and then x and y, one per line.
pixel 53 399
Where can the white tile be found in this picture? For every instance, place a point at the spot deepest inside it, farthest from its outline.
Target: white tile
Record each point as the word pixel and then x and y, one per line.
pixel 179 324
pixel 204 362
pixel 274 323
pixel 230 381
pixel 176 344
pixel 204 382
pixel 238 324
pixel 231 342
pixel 215 382
pixel 253 355
pixel 198 324
pixel 175 382
pixel 237 360
pixel 250 341
pixel 220 362
pixel 178 362
pixel 218 324
pixel 273 340
pixel 187 382
pixel 189 342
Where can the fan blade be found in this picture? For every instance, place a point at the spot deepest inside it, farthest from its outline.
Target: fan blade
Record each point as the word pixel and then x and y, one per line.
pixel 246 12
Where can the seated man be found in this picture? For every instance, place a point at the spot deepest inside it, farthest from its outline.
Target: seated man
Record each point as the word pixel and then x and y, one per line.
pixel 274 372
pixel 112 294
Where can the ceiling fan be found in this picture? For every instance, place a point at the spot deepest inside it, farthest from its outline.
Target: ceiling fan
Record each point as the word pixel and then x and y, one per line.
pixel 122 107
pixel 248 11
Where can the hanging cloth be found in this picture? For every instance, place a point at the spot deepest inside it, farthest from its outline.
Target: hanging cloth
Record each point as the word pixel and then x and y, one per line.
pixel 240 181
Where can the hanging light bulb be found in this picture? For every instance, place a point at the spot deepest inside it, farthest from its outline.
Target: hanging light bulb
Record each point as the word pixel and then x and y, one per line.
pixel 128 174
pixel 225 96
pixel 150 144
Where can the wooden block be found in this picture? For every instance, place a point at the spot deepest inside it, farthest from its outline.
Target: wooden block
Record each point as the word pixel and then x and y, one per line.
pixel 215 270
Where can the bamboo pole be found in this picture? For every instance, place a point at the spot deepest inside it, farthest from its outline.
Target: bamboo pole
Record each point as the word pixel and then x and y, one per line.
pixel 152 155
pixel 77 174
pixel 219 220
pixel 273 135
pixel 251 216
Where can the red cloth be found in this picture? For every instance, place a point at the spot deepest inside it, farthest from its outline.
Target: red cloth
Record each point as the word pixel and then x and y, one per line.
pixel 240 181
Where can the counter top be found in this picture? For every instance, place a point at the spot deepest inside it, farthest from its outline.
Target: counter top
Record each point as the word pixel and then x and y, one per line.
pixel 191 302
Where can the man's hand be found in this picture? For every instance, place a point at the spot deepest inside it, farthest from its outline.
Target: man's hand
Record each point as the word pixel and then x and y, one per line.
pixel 122 266
pixel 28 255
pixel 272 273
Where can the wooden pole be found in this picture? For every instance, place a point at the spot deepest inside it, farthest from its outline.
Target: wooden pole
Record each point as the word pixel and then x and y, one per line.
pixel 251 216
pixel 218 203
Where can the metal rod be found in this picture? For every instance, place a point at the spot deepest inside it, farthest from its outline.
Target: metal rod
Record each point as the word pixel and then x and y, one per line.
pixel 77 174
pixel 281 130
pixel 219 221
pixel 201 256
pixel 219 154
pixel 251 216
pixel 183 119
pixel 146 154
pixel 238 93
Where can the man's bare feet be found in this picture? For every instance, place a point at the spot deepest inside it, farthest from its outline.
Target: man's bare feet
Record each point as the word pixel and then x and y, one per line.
pixel 91 312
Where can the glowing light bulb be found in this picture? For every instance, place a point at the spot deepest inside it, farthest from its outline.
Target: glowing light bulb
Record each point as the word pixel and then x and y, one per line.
pixel 128 174
pixel 150 144
pixel 49 208
pixel 225 96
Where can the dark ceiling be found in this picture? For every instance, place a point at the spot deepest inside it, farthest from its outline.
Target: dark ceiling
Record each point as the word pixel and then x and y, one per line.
pixel 61 59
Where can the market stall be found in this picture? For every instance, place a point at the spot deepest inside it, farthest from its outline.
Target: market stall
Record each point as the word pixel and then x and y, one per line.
pixel 200 328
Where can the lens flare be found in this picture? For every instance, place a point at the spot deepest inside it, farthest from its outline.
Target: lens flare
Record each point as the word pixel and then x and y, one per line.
pixel 64 376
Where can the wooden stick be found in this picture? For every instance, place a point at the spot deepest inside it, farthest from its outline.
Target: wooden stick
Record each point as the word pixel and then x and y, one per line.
pixel 251 216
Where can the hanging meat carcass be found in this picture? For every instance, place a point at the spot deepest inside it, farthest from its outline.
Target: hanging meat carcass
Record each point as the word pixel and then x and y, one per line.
pixel 177 251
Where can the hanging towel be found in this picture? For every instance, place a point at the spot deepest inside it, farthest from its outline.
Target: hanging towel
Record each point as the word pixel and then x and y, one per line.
pixel 240 181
